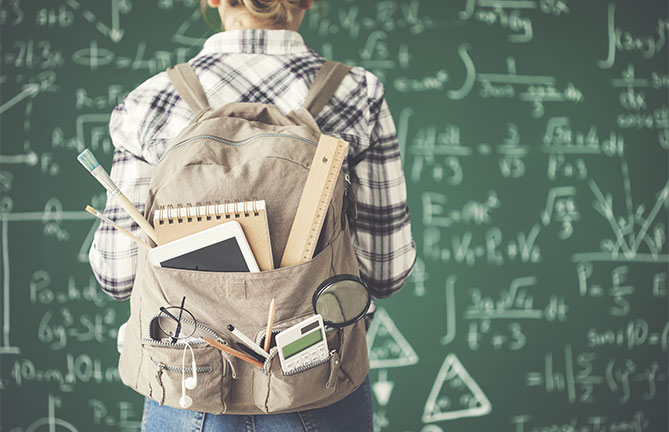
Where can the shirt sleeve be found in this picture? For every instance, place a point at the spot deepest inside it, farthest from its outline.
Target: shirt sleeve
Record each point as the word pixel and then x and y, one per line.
pixel 113 256
pixel 381 233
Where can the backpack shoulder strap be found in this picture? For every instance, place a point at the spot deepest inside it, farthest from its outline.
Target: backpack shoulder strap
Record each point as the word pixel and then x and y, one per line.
pixel 324 86
pixel 188 86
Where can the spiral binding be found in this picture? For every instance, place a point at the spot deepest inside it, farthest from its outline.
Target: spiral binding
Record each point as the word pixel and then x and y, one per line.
pixel 177 214
pixel 217 204
pixel 189 218
pixel 179 218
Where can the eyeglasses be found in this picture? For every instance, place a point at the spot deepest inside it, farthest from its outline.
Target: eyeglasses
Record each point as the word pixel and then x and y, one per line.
pixel 177 322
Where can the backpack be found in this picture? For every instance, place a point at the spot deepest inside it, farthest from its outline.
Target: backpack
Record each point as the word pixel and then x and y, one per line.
pixel 234 152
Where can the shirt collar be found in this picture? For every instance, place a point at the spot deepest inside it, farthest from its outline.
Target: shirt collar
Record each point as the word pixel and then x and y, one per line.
pixel 256 41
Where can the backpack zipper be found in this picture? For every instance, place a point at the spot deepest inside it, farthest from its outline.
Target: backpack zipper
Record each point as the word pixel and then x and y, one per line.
pixel 200 369
pixel 195 342
pixel 238 143
pixel 204 368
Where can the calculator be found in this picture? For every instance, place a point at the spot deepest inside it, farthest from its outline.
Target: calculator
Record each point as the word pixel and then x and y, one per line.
pixel 302 345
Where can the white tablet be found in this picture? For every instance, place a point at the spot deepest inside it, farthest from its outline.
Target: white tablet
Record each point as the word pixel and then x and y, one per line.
pixel 223 248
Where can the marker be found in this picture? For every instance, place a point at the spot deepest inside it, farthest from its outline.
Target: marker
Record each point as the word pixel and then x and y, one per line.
pixel 270 322
pixel 105 219
pixel 234 352
pixel 246 350
pixel 93 166
pixel 247 341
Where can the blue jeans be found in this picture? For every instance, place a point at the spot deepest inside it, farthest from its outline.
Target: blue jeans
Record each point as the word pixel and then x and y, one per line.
pixel 351 414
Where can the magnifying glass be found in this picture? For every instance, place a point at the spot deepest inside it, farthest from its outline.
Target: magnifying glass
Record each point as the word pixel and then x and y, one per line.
pixel 342 300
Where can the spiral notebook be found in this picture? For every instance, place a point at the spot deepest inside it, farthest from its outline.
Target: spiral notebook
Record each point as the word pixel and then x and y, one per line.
pixel 172 222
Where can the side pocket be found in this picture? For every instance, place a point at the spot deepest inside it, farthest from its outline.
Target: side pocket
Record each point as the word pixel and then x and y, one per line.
pixel 275 392
pixel 355 364
pixel 214 375
pixel 301 390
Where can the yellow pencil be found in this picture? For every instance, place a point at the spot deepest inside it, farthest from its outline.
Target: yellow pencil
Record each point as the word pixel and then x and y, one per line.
pixel 104 218
pixel 234 352
pixel 270 322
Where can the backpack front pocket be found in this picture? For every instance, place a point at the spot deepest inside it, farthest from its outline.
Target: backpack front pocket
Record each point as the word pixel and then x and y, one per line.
pixel 308 387
pixel 214 375
pixel 302 389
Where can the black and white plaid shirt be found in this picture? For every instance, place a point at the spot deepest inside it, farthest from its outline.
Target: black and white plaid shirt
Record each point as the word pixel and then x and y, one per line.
pixel 274 67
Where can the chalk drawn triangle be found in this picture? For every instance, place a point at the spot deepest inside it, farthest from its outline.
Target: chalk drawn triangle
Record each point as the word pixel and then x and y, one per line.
pixel 82 256
pixel 387 347
pixel 454 394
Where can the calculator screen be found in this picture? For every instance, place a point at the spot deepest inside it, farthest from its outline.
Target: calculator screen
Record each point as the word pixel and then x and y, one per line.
pixel 302 343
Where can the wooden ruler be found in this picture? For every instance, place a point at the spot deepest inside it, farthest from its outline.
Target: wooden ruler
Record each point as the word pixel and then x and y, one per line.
pixel 315 200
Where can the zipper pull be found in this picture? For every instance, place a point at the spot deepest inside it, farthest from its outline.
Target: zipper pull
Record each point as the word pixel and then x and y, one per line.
pixel 226 357
pixel 349 190
pixel 334 368
pixel 344 208
pixel 159 376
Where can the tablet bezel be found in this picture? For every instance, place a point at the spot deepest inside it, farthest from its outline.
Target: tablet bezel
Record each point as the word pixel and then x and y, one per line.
pixel 201 239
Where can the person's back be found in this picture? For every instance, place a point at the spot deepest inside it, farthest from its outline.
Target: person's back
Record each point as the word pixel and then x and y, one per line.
pixel 275 66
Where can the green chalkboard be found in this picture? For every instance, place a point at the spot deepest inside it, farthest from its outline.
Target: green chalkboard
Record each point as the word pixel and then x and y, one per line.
pixel 535 140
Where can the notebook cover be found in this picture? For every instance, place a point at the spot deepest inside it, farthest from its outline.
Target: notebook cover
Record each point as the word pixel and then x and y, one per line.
pixel 254 224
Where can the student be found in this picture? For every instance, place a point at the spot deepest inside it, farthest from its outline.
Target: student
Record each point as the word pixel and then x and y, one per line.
pixel 260 57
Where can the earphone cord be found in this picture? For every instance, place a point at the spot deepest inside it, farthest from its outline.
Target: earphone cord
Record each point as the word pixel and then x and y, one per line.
pixel 186 401
pixel 183 366
pixel 183 370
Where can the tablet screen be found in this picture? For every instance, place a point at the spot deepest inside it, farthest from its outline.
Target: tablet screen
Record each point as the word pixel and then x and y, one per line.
pixel 224 256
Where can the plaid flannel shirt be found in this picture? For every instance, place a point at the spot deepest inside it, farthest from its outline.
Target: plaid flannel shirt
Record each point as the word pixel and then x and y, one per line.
pixel 274 67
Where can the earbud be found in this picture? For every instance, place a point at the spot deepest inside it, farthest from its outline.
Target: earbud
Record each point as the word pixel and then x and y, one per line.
pixel 185 401
pixel 187 383
pixel 191 382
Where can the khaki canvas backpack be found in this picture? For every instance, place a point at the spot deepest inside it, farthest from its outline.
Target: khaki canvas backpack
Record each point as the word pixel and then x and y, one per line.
pixel 237 151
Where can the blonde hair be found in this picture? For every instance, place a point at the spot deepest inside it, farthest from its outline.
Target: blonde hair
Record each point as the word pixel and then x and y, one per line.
pixel 277 12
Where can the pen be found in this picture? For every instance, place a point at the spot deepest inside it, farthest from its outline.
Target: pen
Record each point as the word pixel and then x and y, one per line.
pixel 105 219
pixel 247 341
pixel 93 166
pixel 233 352
pixel 270 322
